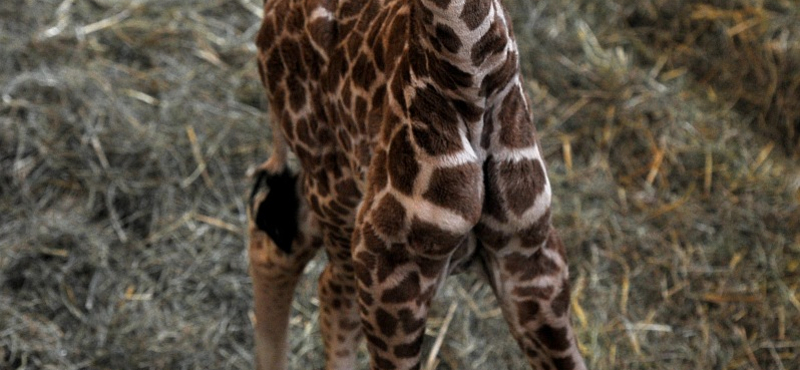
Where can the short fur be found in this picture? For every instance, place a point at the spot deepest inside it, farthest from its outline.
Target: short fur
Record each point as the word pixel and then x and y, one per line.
pixel 417 152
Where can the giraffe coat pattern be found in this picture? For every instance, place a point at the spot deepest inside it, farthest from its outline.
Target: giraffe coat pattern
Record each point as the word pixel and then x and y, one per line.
pixel 418 154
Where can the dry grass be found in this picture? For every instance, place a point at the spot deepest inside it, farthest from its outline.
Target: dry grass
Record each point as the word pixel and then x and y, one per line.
pixel 670 129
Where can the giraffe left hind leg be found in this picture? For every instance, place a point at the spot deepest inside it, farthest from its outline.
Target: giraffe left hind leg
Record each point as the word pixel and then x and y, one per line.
pixel 281 242
pixel 405 236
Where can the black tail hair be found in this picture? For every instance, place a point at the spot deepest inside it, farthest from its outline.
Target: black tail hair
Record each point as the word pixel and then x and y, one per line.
pixel 277 214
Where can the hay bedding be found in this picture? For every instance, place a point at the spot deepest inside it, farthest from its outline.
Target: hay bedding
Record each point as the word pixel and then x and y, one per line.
pixel 670 129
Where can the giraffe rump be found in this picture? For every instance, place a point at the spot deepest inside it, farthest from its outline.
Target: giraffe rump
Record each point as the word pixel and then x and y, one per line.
pixel 418 154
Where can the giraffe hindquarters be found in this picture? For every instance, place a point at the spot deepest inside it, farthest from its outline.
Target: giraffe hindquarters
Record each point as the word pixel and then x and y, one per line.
pixel 276 265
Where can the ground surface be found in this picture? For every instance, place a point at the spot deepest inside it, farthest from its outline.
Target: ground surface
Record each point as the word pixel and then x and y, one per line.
pixel 671 129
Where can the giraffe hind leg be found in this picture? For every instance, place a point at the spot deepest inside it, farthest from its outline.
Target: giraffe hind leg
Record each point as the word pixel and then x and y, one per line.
pixel 404 240
pixel 340 324
pixel 536 308
pixel 281 242
pixel 526 264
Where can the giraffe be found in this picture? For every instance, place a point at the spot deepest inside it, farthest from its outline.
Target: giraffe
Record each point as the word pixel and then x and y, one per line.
pixel 417 153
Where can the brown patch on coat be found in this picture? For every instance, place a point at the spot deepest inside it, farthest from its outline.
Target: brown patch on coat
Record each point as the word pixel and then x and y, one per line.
pixel 429 239
pixel 560 304
pixel 448 76
pixel 553 338
pixel 408 350
pixel 474 12
pixel 492 42
pixel 536 234
pixel 448 38
pixel 530 267
pixel 408 289
pixel 527 311
pixel 456 188
pixel 402 163
pixel 498 78
pixel 523 182
pixel 516 128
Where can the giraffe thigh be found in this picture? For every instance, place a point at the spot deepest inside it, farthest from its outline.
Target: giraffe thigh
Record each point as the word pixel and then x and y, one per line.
pixel 525 262
pixel 278 252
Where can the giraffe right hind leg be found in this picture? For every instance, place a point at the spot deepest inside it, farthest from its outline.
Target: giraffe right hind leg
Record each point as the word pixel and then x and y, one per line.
pixel 526 262
pixel 532 287
pixel 282 239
